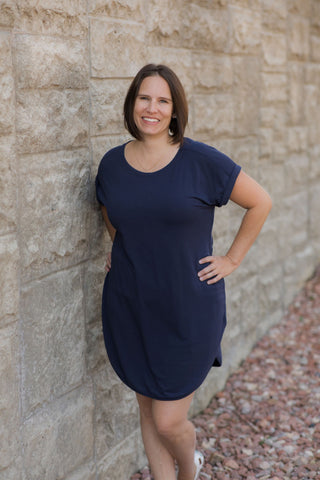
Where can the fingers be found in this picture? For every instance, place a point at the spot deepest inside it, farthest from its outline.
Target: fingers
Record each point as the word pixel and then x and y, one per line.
pixel 108 262
pixel 218 268
pixel 209 271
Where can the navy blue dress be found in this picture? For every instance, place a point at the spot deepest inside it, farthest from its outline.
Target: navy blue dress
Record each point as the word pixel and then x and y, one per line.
pixel 162 326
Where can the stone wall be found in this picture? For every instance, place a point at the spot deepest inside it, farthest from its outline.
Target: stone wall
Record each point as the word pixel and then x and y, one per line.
pixel 251 69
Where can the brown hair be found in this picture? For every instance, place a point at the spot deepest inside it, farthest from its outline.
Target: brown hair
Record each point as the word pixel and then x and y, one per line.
pixel 180 106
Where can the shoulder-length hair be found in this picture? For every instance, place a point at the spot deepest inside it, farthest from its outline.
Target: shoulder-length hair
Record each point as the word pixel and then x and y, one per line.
pixel 180 106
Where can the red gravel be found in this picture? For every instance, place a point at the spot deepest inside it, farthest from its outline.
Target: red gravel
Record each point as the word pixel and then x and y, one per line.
pixel 265 424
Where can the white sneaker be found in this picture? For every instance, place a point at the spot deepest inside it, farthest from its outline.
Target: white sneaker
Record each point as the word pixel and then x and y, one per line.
pixel 198 461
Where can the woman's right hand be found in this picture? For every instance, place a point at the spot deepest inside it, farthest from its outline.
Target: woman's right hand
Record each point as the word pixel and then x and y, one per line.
pixel 108 262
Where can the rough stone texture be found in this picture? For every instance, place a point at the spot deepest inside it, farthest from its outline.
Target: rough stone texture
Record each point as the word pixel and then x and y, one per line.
pixel 43 61
pixel 8 184
pixel 55 195
pixel 113 397
pixel 9 280
pixel 53 337
pixel 251 70
pixel 49 120
pixel 59 439
pixel 9 399
pixel 51 17
pixel 6 86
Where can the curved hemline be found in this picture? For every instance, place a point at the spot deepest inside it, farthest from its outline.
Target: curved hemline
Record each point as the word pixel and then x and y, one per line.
pixel 178 397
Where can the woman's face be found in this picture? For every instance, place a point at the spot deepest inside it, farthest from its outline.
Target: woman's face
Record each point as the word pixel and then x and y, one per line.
pixel 153 107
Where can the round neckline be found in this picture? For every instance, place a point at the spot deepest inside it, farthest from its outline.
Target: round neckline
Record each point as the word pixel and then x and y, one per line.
pixel 160 170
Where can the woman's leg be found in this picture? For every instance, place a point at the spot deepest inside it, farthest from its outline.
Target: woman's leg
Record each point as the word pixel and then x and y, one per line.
pixel 160 460
pixel 177 433
pixel 167 435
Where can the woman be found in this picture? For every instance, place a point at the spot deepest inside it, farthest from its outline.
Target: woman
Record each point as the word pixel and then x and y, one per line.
pixel 164 299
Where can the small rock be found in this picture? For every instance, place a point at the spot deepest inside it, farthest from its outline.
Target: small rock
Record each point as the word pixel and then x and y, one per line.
pixel 231 464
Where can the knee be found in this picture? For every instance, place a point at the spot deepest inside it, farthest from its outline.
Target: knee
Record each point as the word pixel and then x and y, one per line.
pixel 167 427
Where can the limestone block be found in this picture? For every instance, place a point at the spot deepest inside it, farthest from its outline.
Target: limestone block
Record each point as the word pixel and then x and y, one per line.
pixel 7 14
pixel 124 460
pixel 294 231
pixel 8 186
pixel 180 60
pixel 315 48
pixel 116 413
pixel 53 337
pixel 96 355
pixel 298 40
pixel 55 220
pixel 246 153
pixel 298 267
pixel 314 132
pixel 266 142
pixel 273 116
pixel 112 41
pixel 270 289
pixel 107 99
pixel 274 14
pixel 59 438
pixel 250 312
pixel 171 24
pixel 212 71
pixel 312 74
pixel 274 48
pixel 52 17
pixel 268 243
pixel 214 114
pixel 100 145
pixel 9 399
pixel 133 9
pixel 246 95
pixel 9 281
pixel 315 162
pixel 297 139
pixel 7 114
pixel 51 120
pixel 296 172
pixel 246 27
pixel 43 61
pixel 311 103
pixel 88 472
pixel 14 472
pixel 300 7
pixel 315 16
pixel 272 178
pixel 315 212
pixel 273 88
pixel 295 93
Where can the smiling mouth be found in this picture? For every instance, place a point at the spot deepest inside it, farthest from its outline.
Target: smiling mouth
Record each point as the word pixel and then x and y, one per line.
pixel 150 120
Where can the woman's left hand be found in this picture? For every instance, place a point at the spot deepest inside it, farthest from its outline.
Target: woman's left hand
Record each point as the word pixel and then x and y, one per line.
pixel 219 268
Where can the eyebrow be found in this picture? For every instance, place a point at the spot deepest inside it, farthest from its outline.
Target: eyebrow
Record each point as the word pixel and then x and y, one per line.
pixel 146 95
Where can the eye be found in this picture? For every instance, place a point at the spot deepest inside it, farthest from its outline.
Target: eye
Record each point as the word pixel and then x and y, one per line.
pixel 142 97
pixel 163 101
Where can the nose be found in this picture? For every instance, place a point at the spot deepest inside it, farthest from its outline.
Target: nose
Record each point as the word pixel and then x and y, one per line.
pixel 152 106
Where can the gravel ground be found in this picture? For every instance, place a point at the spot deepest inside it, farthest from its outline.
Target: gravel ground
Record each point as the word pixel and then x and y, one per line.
pixel 265 424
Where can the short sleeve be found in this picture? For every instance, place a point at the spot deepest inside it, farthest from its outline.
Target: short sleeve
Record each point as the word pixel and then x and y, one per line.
pixel 219 175
pixel 225 175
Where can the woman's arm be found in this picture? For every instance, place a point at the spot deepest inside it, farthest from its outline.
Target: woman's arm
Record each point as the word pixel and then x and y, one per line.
pixel 110 227
pixel 250 195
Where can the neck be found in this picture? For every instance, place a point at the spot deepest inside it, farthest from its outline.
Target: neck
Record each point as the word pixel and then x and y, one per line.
pixel 151 145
